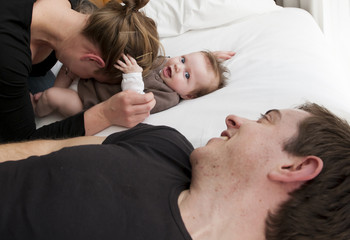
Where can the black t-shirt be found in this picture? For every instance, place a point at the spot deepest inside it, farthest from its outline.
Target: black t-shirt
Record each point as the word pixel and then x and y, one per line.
pixel 17 119
pixel 126 188
pixel 42 68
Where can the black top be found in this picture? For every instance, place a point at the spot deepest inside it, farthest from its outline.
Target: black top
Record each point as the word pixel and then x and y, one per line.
pixel 42 68
pixel 126 188
pixel 16 113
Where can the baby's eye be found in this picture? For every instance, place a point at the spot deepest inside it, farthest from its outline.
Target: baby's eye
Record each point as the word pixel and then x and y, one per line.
pixel 183 60
pixel 187 75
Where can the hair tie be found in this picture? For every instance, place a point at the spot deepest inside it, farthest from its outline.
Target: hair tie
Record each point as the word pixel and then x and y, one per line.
pixel 127 32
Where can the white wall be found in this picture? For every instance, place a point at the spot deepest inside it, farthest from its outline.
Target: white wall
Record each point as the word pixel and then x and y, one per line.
pixel 333 17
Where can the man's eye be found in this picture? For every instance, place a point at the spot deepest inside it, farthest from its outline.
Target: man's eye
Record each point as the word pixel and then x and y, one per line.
pixel 187 75
pixel 183 60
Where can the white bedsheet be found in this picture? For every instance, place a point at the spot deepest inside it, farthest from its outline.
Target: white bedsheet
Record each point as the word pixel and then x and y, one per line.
pixel 282 61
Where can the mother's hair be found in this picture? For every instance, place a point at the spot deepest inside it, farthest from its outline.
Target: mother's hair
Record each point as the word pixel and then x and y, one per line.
pixel 320 208
pixel 120 28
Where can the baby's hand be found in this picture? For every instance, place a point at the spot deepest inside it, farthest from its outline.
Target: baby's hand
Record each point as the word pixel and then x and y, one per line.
pixel 224 55
pixel 129 65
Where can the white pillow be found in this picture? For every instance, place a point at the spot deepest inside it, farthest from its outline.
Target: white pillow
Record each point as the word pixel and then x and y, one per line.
pixel 174 17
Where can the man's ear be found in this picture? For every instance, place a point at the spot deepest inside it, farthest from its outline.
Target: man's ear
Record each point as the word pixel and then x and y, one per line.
pixel 303 169
pixel 93 57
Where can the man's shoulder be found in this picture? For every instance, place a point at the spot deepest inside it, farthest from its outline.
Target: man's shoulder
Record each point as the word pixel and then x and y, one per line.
pixel 150 133
pixel 157 143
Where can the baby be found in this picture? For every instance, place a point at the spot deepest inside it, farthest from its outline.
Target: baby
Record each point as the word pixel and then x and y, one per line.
pixel 172 79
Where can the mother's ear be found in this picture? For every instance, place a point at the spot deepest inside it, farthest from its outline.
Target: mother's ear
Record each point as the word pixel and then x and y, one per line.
pixel 302 169
pixel 93 57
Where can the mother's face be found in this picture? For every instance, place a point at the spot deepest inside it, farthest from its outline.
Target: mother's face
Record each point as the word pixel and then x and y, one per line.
pixel 89 69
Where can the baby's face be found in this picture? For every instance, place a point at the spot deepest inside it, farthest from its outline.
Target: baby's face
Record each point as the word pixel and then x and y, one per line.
pixel 187 73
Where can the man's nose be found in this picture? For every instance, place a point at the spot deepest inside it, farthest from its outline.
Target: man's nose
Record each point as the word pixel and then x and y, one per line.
pixel 233 121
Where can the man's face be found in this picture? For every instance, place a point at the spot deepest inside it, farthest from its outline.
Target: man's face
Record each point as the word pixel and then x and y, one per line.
pixel 249 146
pixel 189 72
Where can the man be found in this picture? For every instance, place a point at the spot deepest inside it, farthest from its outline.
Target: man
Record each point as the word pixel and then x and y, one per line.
pixel 284 176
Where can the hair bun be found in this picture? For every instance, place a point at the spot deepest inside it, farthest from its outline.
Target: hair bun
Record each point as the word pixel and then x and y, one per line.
pixel 134 5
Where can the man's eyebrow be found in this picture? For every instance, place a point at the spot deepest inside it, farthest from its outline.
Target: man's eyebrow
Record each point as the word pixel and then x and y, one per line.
pixel 275 113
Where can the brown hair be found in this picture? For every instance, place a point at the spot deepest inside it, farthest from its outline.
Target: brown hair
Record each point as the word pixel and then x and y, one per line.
pixel 320 208
pixel 219 71
pixel 121 28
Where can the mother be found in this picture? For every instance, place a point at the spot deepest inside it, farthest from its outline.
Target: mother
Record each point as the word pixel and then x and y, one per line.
pixel 34 33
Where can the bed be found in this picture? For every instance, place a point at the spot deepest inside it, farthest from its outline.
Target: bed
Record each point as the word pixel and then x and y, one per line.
pixel 282 60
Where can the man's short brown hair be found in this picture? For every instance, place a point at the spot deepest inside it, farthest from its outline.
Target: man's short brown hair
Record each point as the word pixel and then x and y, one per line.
pixel 320 208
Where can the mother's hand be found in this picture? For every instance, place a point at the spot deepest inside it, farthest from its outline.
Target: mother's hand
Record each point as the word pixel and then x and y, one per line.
pixel 126 109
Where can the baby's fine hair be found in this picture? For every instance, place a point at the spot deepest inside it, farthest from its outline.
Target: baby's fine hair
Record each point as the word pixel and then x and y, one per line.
pixel 121 28
pixel 219 70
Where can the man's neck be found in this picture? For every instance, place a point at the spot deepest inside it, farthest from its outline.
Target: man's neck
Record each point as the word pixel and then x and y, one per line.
pixel 219 215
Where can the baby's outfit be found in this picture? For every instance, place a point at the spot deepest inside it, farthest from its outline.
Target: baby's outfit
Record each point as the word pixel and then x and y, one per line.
pixel 133 81
pixel 92 92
